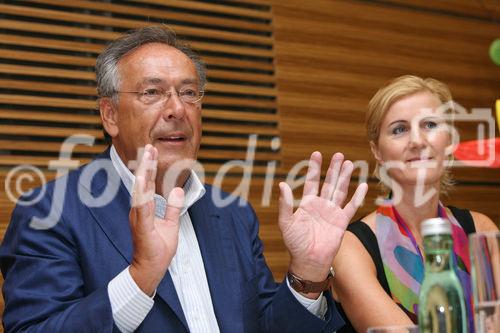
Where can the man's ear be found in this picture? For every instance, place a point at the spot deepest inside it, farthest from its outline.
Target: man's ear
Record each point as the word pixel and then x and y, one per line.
pixel 109 116
pixel 376 152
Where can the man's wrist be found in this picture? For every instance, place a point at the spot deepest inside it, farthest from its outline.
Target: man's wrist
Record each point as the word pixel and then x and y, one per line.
pixel 145 282
pixel 308 288
pixel 307 271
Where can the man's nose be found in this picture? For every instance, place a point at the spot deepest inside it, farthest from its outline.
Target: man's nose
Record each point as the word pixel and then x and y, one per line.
pixel 173 107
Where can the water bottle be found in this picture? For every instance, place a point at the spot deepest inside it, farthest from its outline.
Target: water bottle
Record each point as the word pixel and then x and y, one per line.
pixel 441 302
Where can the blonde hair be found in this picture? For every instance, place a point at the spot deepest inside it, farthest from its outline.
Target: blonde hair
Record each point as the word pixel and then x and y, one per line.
pixel 397 89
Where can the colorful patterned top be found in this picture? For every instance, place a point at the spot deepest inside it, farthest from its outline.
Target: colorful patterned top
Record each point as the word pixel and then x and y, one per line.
pixel 403 262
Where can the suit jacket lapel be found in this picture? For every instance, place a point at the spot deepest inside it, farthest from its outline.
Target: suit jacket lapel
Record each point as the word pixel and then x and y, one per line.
pixel 113 217
pixel 113 220
pixel 215 242
pixel 166 290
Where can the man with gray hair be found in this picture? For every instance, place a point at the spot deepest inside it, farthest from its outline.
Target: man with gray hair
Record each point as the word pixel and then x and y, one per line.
pixel 160 255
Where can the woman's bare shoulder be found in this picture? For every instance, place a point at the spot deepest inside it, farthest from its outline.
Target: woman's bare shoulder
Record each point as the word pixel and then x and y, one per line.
pixel 370 220
pixel 483 222
pixel 352 249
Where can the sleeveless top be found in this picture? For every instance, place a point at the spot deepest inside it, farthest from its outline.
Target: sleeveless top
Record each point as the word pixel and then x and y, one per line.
pixel 369 240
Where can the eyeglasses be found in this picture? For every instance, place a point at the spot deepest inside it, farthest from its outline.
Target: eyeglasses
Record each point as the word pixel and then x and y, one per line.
pixel 151 96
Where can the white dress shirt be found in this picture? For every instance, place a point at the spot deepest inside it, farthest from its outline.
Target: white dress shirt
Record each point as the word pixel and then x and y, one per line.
pixel 130 305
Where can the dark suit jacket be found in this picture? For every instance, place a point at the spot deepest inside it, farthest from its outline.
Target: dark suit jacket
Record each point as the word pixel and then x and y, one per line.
pixel 56 279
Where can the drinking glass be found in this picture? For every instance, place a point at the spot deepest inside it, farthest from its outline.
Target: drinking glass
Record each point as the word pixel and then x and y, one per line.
pixel 394 329
pixel 485 267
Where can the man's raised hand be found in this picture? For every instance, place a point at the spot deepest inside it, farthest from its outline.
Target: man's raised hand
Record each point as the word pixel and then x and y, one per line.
pixel 155 239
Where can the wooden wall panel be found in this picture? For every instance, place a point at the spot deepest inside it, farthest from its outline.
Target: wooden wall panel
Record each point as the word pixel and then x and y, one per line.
pixel 332 56
pixel 485 9
pixel 48 50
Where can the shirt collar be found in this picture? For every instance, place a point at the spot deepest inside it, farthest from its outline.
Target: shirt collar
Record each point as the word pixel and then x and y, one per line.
pixel 193 188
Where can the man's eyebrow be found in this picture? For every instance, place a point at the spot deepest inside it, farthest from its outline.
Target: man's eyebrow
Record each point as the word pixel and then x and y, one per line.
pixel 189 81
pixel 152 80
pixel 156 80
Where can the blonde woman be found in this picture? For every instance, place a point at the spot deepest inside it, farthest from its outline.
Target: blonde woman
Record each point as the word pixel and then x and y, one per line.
pixel 379 267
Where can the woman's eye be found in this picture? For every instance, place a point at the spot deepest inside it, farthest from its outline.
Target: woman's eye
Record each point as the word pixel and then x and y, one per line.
pixel 430 124
pixel 398 130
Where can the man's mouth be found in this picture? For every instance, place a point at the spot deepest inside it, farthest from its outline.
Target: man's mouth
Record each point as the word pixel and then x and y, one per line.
pixel 173 137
